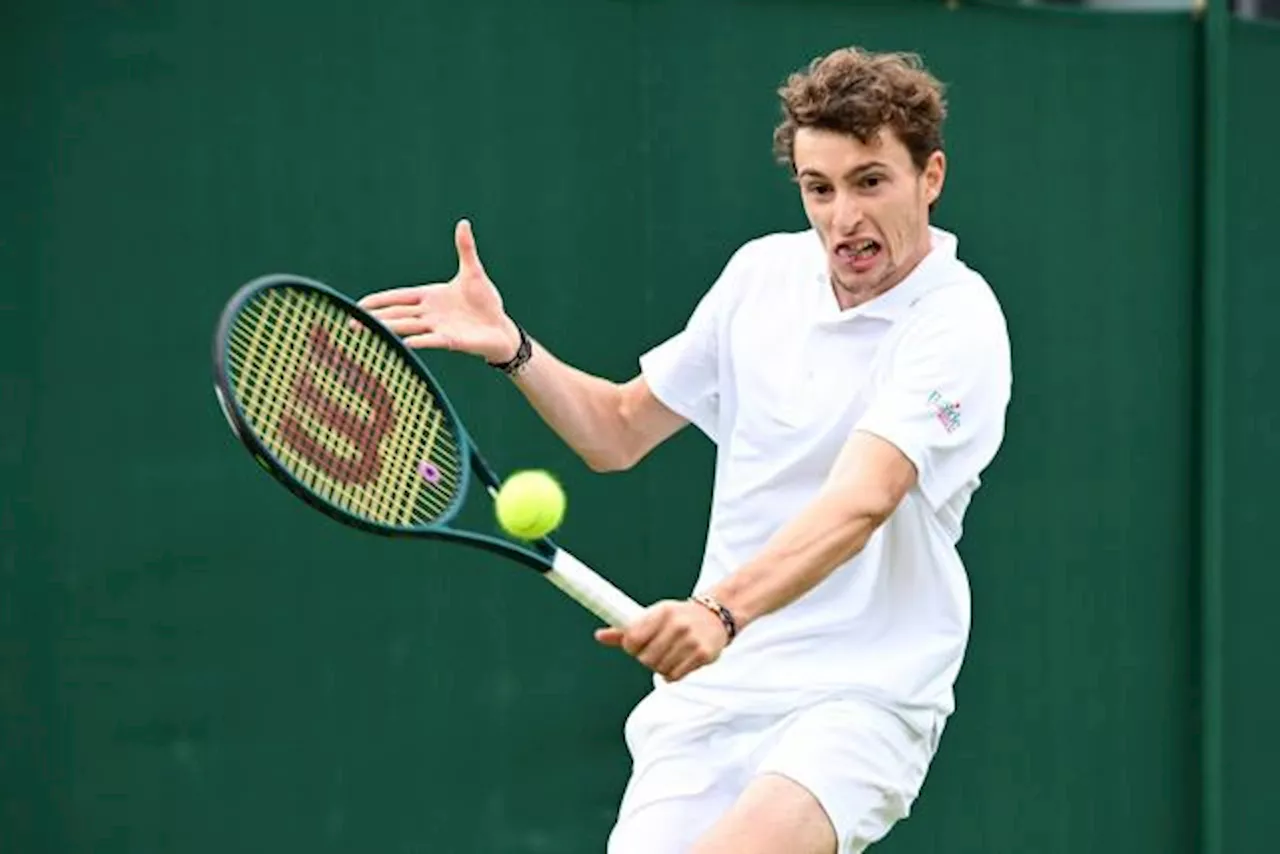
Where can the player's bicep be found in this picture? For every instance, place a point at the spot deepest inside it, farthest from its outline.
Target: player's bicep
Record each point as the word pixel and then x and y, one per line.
pixel 873 473
pixel 649 422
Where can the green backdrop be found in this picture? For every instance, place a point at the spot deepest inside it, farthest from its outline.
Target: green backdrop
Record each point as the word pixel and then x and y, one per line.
pixel 191 661
pixel 1250 445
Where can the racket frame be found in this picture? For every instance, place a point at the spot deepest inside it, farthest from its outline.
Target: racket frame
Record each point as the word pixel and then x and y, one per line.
pixel 538 554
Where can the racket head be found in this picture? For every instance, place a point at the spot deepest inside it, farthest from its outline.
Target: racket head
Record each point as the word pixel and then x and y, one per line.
pixel 335 407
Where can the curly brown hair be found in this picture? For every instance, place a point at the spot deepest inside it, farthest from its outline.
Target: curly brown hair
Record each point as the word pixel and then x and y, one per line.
pixel 856 92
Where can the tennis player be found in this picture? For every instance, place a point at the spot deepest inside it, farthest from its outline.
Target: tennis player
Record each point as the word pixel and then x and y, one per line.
pixel 854 377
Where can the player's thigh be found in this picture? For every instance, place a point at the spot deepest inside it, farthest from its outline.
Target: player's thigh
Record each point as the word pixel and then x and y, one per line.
pixel 862 763
pixel 857 765
pixel 667 822
pixel 772 816
pixel 682 777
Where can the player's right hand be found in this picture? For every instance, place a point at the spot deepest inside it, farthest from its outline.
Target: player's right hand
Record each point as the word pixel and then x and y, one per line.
pixel 463 314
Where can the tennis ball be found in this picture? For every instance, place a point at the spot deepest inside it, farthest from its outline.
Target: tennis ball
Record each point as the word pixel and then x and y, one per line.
pixel 530 504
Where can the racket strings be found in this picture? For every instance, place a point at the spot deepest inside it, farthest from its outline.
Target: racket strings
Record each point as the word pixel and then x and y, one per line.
pixel 341 409
pixel 385 505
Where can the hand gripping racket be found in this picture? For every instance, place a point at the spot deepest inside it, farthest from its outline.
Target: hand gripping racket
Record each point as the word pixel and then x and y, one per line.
pixel 340 411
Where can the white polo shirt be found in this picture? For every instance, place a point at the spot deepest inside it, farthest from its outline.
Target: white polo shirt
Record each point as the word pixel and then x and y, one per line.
pixel 778 376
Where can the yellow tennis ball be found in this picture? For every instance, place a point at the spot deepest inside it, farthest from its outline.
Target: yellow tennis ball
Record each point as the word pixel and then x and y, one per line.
pixel 530 504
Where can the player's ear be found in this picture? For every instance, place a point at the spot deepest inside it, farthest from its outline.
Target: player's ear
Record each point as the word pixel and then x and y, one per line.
pixel 934 176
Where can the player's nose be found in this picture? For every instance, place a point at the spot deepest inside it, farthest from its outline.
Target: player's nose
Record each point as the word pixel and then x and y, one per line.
pixel 848 215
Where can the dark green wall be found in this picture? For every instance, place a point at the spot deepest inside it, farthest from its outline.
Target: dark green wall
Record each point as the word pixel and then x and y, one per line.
pixel 1250 445
pixel 193 662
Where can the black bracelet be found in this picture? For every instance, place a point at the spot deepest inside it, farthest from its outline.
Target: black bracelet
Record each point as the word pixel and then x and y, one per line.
pixel 523 352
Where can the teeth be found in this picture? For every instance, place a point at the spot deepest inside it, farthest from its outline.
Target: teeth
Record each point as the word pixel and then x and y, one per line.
pixel 858 250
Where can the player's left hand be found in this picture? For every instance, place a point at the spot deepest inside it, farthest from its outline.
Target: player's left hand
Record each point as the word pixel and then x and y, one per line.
pixel 672 638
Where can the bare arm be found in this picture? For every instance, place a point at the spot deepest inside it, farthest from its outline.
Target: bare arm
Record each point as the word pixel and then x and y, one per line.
pixel 610 425
pixel 867 483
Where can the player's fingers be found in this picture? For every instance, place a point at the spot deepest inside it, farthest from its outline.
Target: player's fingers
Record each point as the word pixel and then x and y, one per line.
pixel 429 341
pixel 648 650
pixel 672 659
pixel 468 256
pixel 684 668
pixel 609 636
pixel 672 644
pixel 655 654
pixel 394 312
pixel 409 325
pixel 642 632
pixel 394 296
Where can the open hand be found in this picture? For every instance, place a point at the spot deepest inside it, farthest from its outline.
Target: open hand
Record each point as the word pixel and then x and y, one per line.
pixel 463 314
pixel 672 638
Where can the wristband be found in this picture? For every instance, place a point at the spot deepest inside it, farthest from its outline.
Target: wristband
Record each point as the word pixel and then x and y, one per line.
pixel 725 615
pixel 523 352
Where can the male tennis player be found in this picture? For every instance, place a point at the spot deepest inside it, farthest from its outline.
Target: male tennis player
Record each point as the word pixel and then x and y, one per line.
pixel 854 377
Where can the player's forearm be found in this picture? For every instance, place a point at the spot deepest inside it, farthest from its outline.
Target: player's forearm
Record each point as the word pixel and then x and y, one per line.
pixel 870 478
pixel 584 410
pixel 829 532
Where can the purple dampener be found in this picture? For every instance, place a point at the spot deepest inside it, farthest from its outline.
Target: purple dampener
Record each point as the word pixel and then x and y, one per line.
pixel 429 472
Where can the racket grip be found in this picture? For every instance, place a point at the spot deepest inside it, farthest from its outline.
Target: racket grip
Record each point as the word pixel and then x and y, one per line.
pixel 591 591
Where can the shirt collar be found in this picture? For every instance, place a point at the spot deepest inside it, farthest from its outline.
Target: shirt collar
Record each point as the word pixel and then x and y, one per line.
pixel 926 276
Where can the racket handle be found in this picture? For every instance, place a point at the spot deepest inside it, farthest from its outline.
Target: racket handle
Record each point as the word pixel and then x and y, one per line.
pixel 591 591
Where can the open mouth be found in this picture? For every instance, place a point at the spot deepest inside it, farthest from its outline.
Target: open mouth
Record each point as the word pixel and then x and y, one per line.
pixel 858 253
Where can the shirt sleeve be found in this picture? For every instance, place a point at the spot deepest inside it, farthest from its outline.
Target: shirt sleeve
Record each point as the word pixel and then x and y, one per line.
pixel 684 371
pixel 942 401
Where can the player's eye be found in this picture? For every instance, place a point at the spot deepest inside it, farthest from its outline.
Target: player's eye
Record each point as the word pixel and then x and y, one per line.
pixel 871 182
pixel 817 189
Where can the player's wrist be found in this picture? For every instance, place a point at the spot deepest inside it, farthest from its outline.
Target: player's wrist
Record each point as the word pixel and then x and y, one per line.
pixel 721 612
pixel 517 351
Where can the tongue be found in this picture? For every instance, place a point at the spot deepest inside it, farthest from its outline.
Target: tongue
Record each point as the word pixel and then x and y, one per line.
pixel 864 261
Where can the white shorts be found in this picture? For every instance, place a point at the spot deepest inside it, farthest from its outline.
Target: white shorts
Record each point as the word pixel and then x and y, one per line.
pixel 690 762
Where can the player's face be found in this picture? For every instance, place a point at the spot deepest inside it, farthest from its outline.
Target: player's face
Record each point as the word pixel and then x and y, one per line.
pixel 869 205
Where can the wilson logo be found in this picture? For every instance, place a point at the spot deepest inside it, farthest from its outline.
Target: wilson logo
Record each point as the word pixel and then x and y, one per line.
pixel 326 418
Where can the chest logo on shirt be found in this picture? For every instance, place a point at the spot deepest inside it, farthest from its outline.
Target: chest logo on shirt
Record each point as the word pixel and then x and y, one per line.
pixel 947 412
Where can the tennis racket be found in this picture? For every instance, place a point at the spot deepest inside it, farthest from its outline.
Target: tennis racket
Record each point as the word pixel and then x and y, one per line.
pixel 335 407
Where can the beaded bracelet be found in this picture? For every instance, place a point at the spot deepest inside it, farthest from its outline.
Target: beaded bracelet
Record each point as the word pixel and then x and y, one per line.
pixel 725 615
